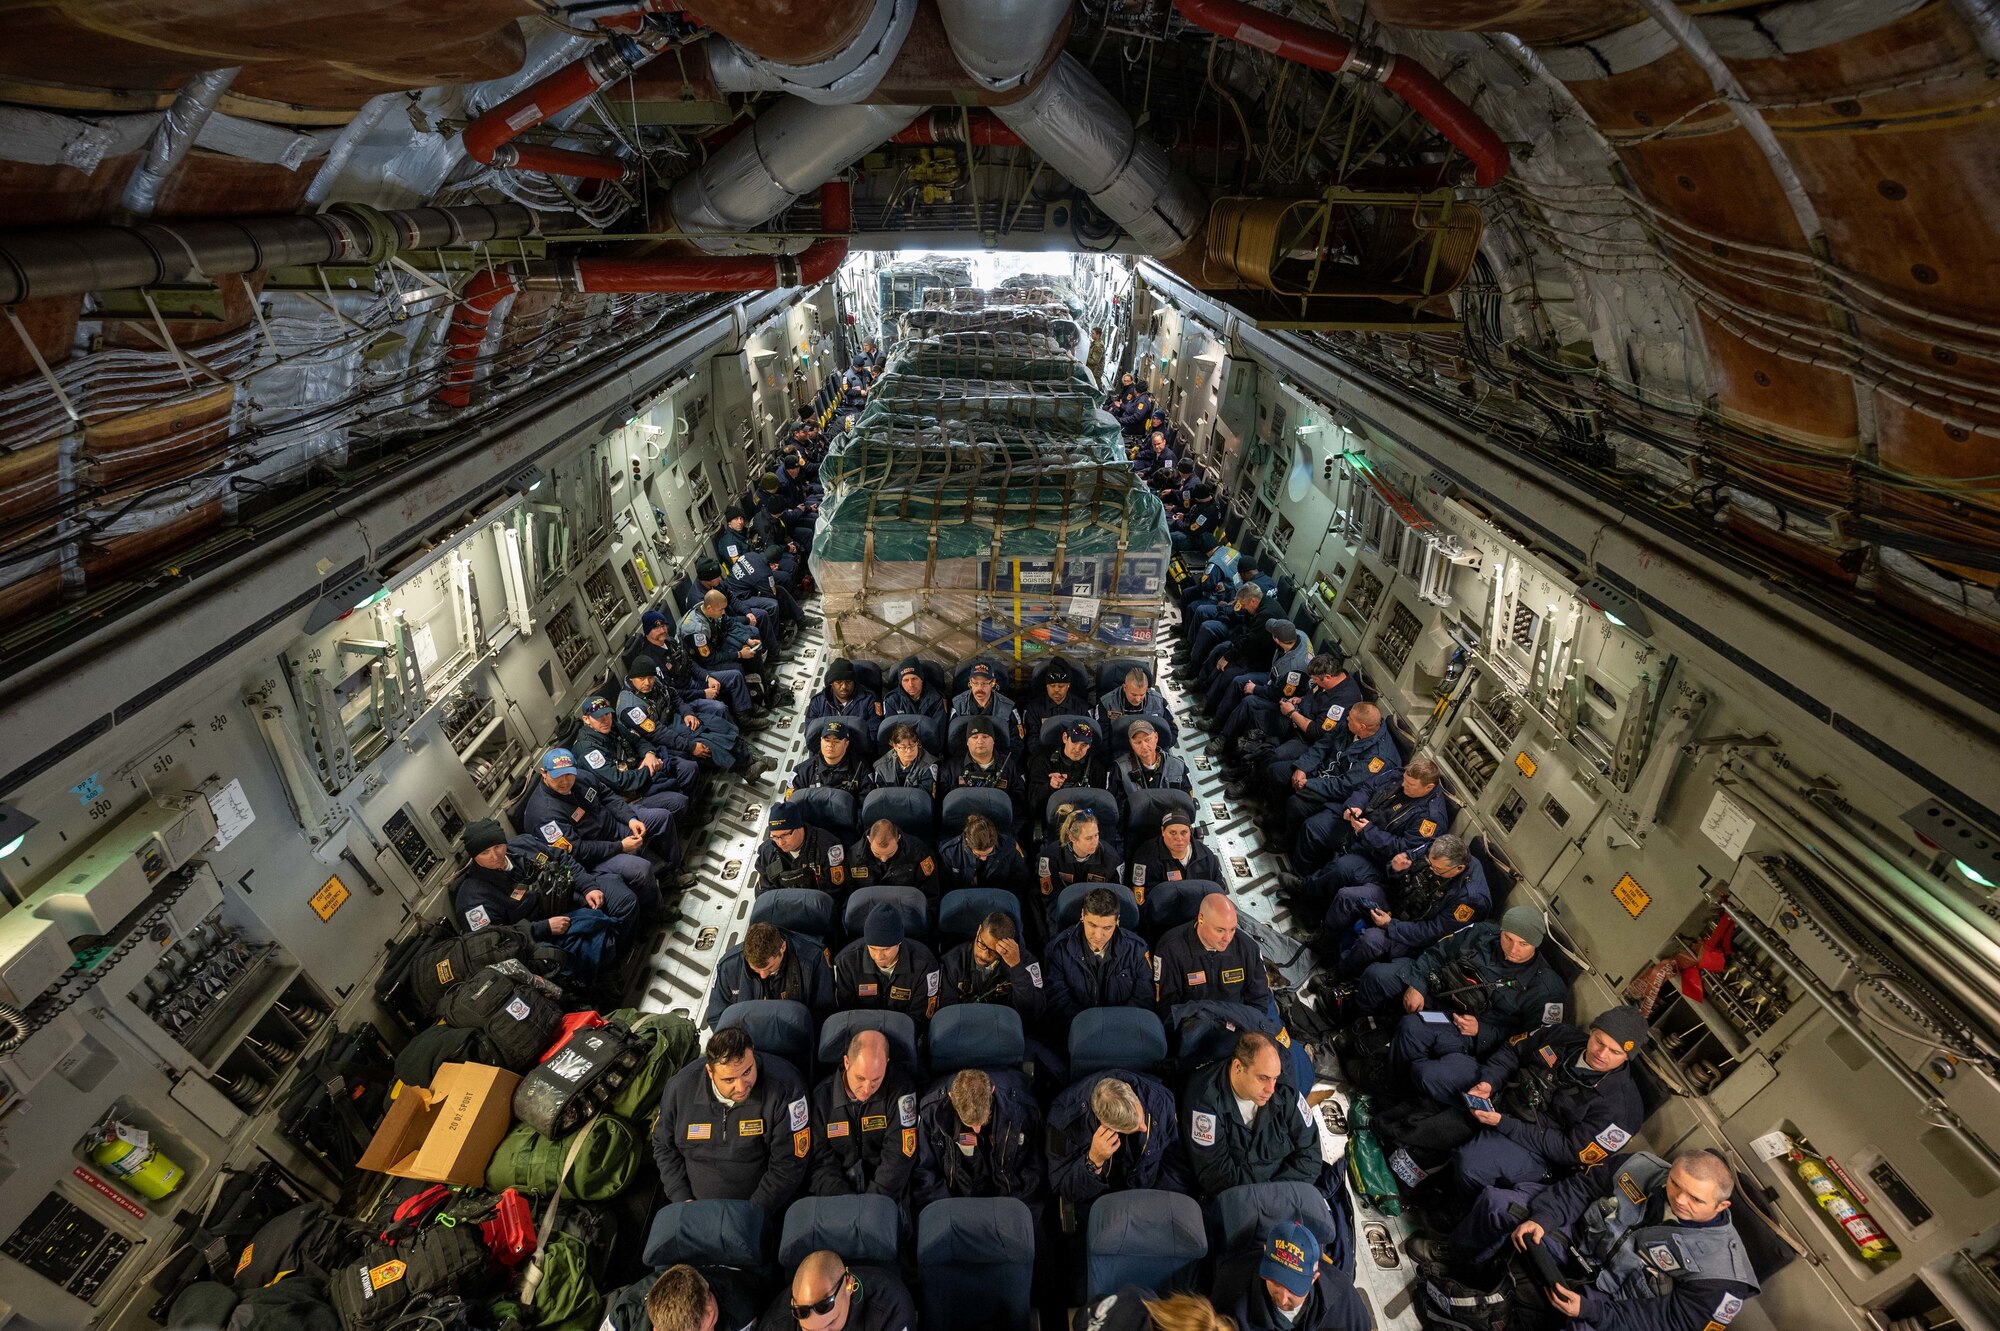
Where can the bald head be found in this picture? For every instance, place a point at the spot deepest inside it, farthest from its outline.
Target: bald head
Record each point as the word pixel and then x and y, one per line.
pixel 814 1279
pixel 866 1063
pixel 1215 925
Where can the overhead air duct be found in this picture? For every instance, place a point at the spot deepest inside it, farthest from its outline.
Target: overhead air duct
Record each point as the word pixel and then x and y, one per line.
pixel 1073 122
pixel 743 273
pixel 981 128
pixel 68 261
pixel 831 52
pixel 490 138
pixel 1318 48
pixel 763 171
pixel 179 127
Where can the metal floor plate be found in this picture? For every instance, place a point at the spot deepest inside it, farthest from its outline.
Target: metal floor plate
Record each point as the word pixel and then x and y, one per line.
pixel 715 913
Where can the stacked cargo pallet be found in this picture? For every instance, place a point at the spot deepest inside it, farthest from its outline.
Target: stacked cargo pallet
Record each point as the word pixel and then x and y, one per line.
pixel 983 505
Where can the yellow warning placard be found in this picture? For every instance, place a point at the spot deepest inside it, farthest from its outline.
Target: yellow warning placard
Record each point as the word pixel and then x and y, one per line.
pixel 1631 896
pixel 330 898
pixel 1525 763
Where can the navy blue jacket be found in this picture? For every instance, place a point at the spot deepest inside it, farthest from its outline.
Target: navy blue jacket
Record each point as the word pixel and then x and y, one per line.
pixel 1466 899
pixel 1397 824
pixel 590 822
pixel 1338 764
pixel 1151 1159
pixel 1123 979
pixel 805 976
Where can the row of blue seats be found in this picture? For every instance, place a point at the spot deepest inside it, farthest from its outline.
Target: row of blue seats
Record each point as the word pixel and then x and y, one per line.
pixel 946 737
pixel 976 1256
pixel 837 812
pixel 809 912
pixel 963 1035
pixel 872 675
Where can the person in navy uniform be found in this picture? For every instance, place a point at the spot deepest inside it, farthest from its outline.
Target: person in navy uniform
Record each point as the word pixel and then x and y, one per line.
pixel 995 968
pixel 797 854
pixel 568 810
pixel 523 882
pixel 1286 680
pixel 837 765
pixel 1134 696
pixel 906 763
pixel 682 1298
pixel 1300 724
pixel 883 970
pixel 1199 526
pixel 1563 1099
pixel 716 635
pixel 981 856
pixel 772 963
pixel 1641 1245
pixel 1288 1282
pixel 1443 892
pixel 735 1125
pixel 1210 959
pixel 982 697
pixel 722 685
pixel 844 696
pixel 1073 760
pixel 1383 829
pixel 1343 760
pixel 1111 1132
pixel 1077 853
pixel 1478 986
pixel 1055 694
pixel 754 602
pixel 1172 856
pixel 826 1294
pixel 659 721
pixel 637 773
pixel 912 696
pixel 864 1124
pixel 1147 767
pixel 1244 1122
pixel 986 763
pixel 1096 962
pixel 887 857
pixel 979 1135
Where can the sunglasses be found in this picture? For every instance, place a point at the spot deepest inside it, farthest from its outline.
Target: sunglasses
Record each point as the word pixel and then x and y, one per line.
pixel 801 1311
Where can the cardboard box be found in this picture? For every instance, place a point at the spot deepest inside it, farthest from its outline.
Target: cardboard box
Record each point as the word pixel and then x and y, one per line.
pixel 448 1132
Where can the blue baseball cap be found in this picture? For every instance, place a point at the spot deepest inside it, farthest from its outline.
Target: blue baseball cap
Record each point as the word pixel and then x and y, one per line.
pixel 1291 1256
pixel 1080 732
pixel 596 707
pixel 557 761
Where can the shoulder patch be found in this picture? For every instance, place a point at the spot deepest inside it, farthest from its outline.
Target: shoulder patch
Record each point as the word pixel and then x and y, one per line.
pixel 551 832
pixel 1462 914
pixel 1613 1137
pixel 1329 721
pixel 836 854
pixel 478 918
pixel 797 1109
pixel 635 714
pixel 906 1110
pixel 1663 1256
pixel 595 758
pixel 1138 875
pixel 1333 714
pixel 931 985
pixel 1551 1013
pixel 1035 973
pixel 1428 827
pixel 1202 1129
pixel 1374 764
pixel 1726 1310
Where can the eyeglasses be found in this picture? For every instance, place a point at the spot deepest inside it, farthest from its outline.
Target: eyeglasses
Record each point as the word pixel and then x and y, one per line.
pixel 801 1311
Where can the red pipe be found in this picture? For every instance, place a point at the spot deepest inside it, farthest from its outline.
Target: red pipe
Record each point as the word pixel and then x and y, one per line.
pixel 467 337
pixel 758 273
pixel 1316 47
pixel 988 130
pixel 489 139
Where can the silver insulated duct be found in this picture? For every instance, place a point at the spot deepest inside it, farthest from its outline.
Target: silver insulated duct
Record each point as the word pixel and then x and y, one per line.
pixel 1073 122
pixel 793 149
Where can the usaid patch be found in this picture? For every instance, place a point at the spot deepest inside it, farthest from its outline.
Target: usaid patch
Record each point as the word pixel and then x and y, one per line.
pixel 797 1112
pixel 1138 875
pixel 1035 973
pixel 1334 713
pixel 836 855
pixel 517 1008
pixel 478 918
pixel 1551 1013
pixel 1662 1256
pixel 594 758
pixel 636 715
pixel 931 984
pixel 1612 1137
pixel 1725 1311
pixel 552 832
pixel 1202 1129
pixel 906 1110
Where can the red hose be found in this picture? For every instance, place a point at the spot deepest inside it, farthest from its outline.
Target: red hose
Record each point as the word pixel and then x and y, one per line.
pixel 467 336
pixel 749 273
pixel 988 130
pixel 1303 44
pixel 489 139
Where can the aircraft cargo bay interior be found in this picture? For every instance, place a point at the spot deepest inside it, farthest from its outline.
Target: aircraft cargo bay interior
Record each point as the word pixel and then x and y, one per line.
pixel 1000 665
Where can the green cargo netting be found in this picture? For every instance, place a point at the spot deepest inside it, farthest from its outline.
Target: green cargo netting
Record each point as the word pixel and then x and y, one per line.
pixel 903 286
pixel 985 355
pixel 910 400
pixel 964 457
pixel 1050 321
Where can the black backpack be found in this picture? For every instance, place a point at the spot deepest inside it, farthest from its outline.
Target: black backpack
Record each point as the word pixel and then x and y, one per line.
pixel 434 1046
pixel 515 1015
pixel 445 962
pixel 303 1242
pixel 376 1289
pixel 339 1097
pixel 577 1081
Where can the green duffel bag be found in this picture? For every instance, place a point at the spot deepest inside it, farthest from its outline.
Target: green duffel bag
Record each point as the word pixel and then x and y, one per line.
pixel 567 1297
pixel 672 1042
pixel 531 1163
